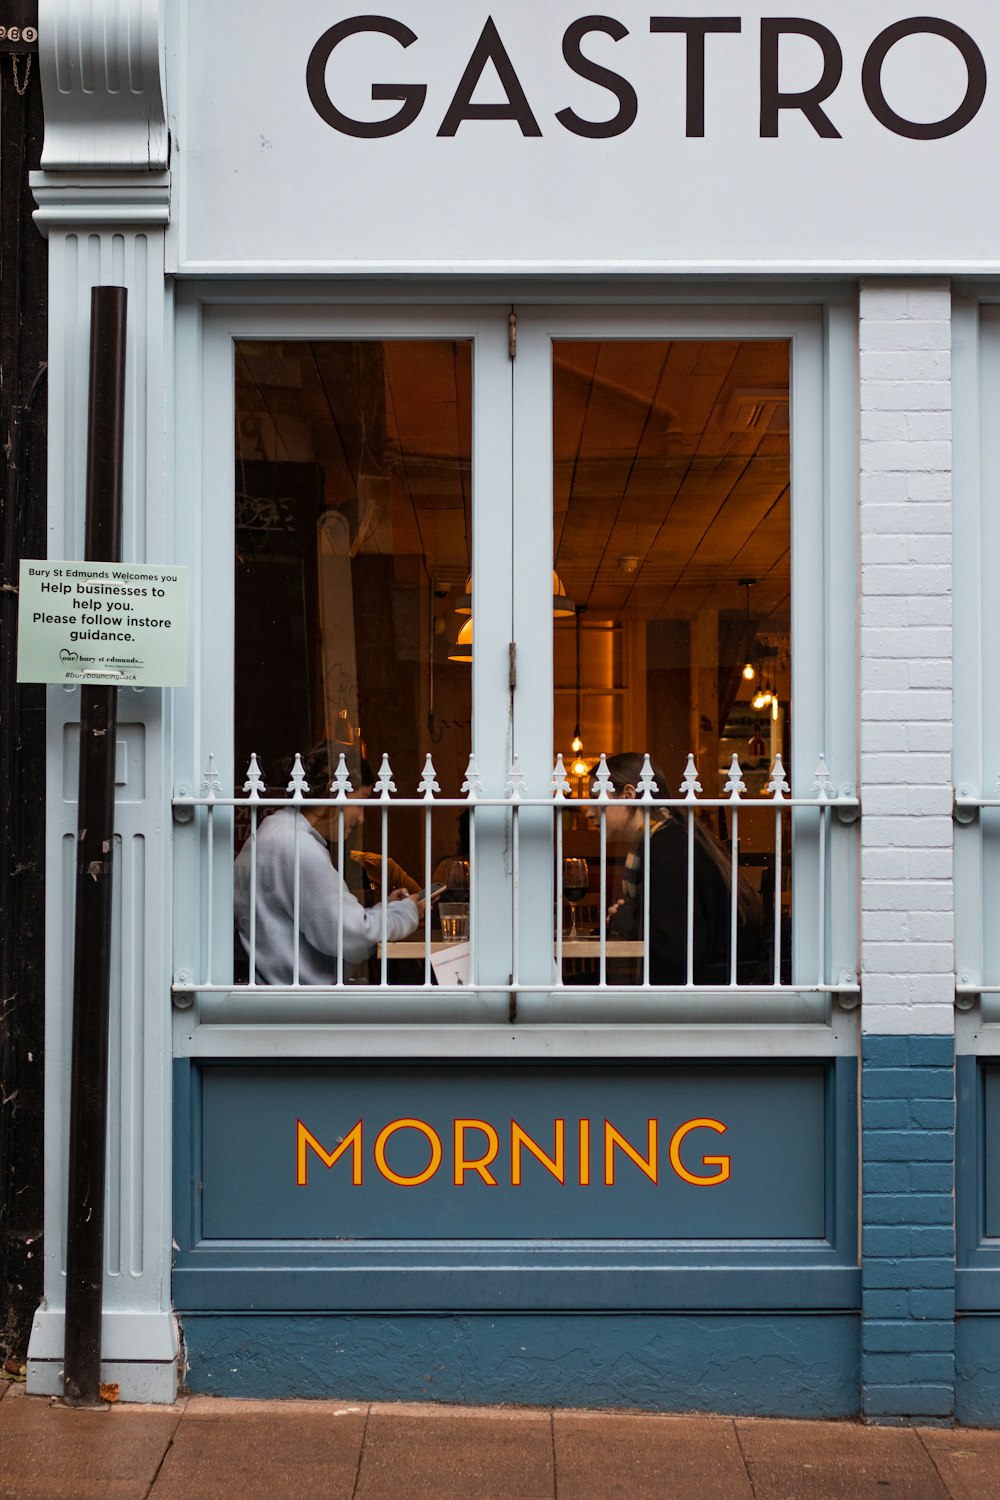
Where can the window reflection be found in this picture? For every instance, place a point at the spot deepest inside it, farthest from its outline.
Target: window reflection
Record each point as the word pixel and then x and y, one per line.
pixel 353 528
pixel 672 534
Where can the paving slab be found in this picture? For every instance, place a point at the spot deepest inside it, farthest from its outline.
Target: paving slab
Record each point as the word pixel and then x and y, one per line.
pixel 967 1460
pixel 837 1461
pixel 614 1455
pixel 254 1450
pixel 54 1453
pixel 475 1453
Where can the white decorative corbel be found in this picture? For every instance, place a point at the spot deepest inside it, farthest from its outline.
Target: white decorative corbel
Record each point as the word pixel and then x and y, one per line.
pixel 103 86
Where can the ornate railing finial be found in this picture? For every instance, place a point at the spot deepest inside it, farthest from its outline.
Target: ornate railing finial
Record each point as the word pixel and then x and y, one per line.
pixel 778 785
pixel 428 780
pixel 341 783
pixel 254 783
pixel 602 779
pixel 822 785
pixel 384 783
pixel 735 786
pixel 690 785
pixel 646 785
pixel 516 787
pixel 298 784
pixel 472 786
pixel 211 786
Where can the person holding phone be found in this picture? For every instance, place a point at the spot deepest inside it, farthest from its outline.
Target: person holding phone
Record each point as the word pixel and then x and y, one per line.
pixel 668 888
pixel 322 891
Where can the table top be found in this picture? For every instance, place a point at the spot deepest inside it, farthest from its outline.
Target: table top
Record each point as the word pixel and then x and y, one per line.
pixel 582 946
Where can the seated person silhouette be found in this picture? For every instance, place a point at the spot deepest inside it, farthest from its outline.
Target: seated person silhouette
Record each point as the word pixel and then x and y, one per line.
pixel 323 893
pixel 668 889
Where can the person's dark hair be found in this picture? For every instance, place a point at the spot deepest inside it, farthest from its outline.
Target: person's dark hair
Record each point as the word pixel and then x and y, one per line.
pixel 320 762
pixel 625 769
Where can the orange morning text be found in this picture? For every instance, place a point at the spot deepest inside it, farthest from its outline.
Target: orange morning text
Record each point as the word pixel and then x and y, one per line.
pixel 474 1150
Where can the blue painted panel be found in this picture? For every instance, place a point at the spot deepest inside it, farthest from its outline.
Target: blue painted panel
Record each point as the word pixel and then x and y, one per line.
pixel 763 1365
pixel 775 1137
pixel 991 1149
pixel 977 1185
pixel 977 1373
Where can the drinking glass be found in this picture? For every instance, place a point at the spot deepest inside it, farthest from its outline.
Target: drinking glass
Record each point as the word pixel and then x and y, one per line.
pixel 454 921
pixel 576 884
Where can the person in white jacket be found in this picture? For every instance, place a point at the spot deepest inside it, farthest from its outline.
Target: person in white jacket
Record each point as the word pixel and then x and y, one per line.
pixel 321 893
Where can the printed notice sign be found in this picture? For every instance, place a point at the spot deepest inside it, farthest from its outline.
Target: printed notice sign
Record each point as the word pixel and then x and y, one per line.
pixel 122 624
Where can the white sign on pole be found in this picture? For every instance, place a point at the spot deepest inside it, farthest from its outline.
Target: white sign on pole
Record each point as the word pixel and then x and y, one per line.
pixel 119 624
pixel 522 135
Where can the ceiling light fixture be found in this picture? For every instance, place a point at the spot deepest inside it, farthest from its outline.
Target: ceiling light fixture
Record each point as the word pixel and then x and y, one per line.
pixel 748 667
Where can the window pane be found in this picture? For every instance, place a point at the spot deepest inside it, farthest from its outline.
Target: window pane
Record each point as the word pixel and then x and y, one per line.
pixel 353 524
pixel 673 542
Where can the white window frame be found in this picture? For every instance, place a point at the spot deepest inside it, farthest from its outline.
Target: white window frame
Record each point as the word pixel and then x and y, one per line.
pixel 823 376
pixel 976 623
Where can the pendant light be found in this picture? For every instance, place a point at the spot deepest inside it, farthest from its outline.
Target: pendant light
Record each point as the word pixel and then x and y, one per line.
pixel 748 667
pixel 579 766
pixel 562 606
pixel 461 650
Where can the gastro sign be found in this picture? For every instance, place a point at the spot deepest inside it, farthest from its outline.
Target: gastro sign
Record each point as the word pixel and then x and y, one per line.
pixel 490 55
pixel 522 135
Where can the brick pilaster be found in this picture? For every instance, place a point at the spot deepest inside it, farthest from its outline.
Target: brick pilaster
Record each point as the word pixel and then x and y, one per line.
pixel 907 899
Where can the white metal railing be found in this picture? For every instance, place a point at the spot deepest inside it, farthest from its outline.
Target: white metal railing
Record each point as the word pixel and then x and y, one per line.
pixel 209 976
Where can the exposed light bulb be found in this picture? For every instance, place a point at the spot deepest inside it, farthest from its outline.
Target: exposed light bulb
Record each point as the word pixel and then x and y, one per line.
pixel 576 744
pixel 748 672
pixel 579 768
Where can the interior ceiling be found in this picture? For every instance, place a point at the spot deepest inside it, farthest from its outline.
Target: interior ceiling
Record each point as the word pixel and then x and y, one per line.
pixel 671 477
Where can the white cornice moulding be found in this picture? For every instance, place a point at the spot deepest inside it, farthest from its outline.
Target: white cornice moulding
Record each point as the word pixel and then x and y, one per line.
pixel 102 77
pixel 72 200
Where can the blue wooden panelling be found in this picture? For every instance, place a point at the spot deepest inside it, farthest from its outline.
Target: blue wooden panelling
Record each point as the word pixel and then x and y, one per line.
pixel 611 1270
pixel 977 1185
pixel 977 1361
pixel 991 1150
pixel 774 1118
pixel 796 1365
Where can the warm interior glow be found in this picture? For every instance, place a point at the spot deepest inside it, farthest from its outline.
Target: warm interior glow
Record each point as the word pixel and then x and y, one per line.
pixel 748 672
pixel 462 650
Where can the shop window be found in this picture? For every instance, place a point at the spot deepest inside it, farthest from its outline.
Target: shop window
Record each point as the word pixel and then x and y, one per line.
pixel 636 828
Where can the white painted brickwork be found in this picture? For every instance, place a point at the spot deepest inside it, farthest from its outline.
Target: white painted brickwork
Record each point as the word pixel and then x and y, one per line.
pixel 907 900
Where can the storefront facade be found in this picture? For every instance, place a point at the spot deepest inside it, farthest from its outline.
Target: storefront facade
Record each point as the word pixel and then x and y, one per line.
pixel 524 393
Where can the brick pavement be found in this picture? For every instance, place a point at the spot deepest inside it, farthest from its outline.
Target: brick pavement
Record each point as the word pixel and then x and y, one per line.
pixel 204 1448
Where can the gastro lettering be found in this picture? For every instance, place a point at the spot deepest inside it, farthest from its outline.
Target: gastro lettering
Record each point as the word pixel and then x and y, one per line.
pixel 484 1154
pixel 491 56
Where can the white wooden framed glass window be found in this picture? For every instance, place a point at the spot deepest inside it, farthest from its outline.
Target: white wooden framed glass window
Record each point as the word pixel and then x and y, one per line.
pixel 517 397
pixel 976 751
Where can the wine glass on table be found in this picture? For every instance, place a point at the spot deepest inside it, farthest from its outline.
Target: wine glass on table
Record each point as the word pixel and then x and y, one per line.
pixel 454 872
pixel 576 884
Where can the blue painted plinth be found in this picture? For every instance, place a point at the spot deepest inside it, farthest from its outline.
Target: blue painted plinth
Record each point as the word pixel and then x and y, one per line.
pixel 792 1365
pixel 977 1370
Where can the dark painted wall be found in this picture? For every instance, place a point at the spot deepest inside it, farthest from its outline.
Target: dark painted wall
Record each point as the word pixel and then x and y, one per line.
pixel 23 333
